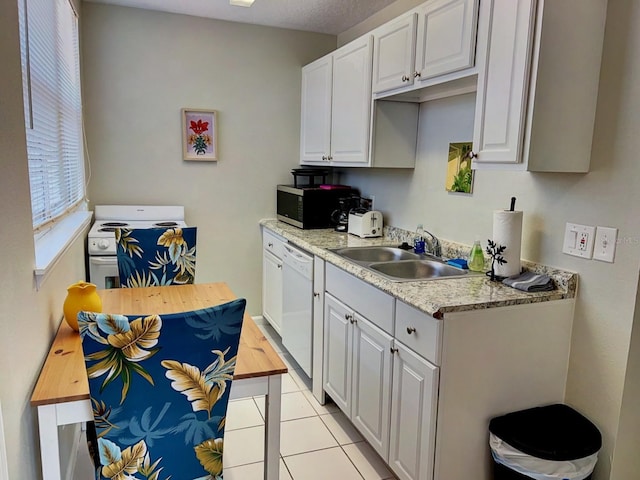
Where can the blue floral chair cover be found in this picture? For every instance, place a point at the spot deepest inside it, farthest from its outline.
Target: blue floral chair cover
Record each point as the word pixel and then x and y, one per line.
pixel 159 388
pixel 156 256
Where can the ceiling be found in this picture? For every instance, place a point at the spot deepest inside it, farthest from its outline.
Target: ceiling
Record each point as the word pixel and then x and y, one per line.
pixel 322 16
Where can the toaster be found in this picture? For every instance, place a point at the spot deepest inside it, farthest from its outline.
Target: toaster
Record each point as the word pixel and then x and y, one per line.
pixel 365 224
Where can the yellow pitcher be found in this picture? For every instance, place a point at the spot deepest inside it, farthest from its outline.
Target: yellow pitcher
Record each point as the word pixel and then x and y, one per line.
pixel 81 296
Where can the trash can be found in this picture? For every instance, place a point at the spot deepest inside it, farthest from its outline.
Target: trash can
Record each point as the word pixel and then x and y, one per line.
pixel 553 442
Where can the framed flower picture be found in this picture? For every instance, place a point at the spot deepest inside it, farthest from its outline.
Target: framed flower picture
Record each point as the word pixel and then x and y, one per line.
pixel 200 134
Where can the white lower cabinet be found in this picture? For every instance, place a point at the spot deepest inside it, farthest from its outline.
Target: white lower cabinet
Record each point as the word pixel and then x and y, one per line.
pixel 398 373
pixel 272 289
pixel 413 415
pixel 357 371
pixel 272 246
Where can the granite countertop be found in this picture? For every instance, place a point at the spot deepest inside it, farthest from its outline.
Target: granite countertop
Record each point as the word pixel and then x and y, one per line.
pixel 434 297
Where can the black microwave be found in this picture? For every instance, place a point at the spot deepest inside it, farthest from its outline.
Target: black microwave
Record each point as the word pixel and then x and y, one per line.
pixel 309 207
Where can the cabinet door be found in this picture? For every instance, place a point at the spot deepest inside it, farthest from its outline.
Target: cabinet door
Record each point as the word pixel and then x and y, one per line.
pixel 413 415
pixel 351 103
pixel 446 37
pixel 315 126
pixel 272 289
pixel 394 54
pixel 337 352
pixel 371 396
pixel 503 83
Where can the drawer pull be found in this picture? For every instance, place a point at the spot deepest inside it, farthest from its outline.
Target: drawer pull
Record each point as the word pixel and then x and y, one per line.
pixel 270 244
pixel 411 330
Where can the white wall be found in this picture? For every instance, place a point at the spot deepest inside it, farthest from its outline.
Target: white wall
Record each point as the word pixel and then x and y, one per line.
pixel 28 318
pixel 607 195
pixel 140 68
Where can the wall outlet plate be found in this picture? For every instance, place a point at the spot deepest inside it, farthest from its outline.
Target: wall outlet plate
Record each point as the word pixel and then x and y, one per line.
pixel 579 240
pixel 605 244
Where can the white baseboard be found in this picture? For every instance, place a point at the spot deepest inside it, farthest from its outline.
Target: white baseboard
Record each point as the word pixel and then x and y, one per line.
pixel 259 320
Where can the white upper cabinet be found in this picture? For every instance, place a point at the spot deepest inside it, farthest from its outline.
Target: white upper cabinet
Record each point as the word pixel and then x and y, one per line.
pixel 503 84
pixel 446 37
pixel 539 67
pixel 432 40
pixel 336 107
pixel 394 54
pixel 315 136
pixel 351 103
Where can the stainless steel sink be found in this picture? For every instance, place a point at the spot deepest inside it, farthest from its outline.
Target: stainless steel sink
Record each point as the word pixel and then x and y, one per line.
pixel 399 265
pixel 417 269
pixel 375 254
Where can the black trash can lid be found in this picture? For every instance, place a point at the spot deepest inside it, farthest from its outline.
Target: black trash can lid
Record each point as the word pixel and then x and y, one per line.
pixel 553 432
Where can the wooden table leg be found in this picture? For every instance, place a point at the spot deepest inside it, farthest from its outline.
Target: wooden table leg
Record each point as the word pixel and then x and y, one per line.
pixel 272 428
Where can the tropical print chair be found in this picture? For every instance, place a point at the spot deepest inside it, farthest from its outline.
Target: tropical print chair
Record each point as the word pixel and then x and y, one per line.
pixel 156 256
pixel 159 388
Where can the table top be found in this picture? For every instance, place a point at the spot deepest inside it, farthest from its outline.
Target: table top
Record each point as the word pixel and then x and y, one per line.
pixel 63 377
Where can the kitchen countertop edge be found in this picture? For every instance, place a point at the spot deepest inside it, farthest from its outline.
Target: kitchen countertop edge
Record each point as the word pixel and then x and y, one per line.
pixel 434 297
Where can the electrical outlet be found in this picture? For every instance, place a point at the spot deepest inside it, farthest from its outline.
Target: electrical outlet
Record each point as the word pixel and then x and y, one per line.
pixel 579 240
pixel 605 244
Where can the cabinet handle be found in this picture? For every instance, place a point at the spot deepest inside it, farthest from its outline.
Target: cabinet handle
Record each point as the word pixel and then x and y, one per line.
pixel 472 154
pixel 279 266
pixel 405 78
pixel 270 244
pixel 416 74
pixel 316 294
pixel 393 350
pixel 324 157
pixel 330 157
pixel 410 330
pixel 347 317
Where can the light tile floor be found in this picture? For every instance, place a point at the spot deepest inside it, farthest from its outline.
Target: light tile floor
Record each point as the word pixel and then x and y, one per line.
pixel 316 441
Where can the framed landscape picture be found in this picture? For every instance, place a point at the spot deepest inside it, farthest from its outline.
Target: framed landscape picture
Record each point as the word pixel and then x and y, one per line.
pixel 459 173
pixel 200 134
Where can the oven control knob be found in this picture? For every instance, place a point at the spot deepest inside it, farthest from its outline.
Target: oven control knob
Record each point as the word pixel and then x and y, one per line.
pixel 103 244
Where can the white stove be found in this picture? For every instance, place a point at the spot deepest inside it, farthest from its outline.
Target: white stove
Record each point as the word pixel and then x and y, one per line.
pixel 101 239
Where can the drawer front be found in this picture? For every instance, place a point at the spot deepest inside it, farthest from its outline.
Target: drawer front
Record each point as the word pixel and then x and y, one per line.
pixel 418 331
pixel 273 243
pixel 373 304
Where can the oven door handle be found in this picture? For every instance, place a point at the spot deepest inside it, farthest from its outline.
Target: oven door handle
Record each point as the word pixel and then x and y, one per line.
pixel 104 260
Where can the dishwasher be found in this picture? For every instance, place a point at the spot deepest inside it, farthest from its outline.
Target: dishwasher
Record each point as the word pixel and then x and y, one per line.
pixel 297 305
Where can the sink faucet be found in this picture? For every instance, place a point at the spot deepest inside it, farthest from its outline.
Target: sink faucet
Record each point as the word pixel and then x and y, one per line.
pixel 434 247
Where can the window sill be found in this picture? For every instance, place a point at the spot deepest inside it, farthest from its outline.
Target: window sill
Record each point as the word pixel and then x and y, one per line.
pixel 51 245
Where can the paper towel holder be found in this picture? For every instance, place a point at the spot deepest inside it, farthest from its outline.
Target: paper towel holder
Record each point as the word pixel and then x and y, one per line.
pixel 495 251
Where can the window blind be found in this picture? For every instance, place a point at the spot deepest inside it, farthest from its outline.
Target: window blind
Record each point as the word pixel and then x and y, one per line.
pixel 53 108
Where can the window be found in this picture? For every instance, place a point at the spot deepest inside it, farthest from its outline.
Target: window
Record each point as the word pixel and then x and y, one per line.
pixel 53 107
pixel 53 118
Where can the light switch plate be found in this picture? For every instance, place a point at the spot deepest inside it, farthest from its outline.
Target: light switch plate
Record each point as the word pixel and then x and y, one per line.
pixel 578 240
pixel 605 244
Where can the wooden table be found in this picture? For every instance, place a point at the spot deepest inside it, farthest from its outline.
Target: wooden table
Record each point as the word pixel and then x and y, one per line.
pixel 61 394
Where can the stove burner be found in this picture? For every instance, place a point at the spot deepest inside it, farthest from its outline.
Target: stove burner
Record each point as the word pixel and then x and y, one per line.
pixel 113 224
pixel 165 224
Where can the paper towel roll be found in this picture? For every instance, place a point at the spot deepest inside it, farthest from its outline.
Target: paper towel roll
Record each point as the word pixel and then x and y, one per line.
pixel 507 231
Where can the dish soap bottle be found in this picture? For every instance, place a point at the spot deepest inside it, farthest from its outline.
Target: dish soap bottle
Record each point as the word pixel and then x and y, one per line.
pixel 476 257
pixel 418 242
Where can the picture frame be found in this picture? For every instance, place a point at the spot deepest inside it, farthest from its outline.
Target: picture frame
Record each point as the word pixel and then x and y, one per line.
pixel 199 135
pixel 459 173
